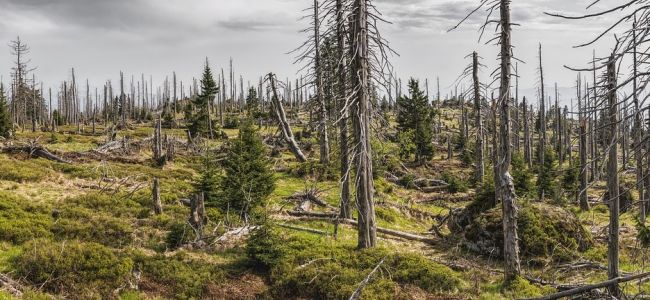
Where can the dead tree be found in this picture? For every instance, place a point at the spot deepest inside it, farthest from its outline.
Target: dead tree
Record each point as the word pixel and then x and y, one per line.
pixel 343 110
pixel 612 179
pixel 157 148
pixel 197 215
pixel 528 157
pixel 287 133
pixel 480 164
pixel 582 194
pixel 542 122
pixel 155 194
pixel 504 186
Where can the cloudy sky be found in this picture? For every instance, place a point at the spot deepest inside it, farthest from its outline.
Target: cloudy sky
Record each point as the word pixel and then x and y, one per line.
pixel 155 37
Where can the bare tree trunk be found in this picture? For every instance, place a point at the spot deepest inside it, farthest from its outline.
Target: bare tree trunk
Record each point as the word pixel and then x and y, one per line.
pixel 528 157
pixel 638 128
pixel 346 208
pixel 542 121
pixel 612 180
pixel 367 228
pixel 197 214
pixel 287 133
pixel 582 194
pixel 320 93
pixel 504 183
pixel 480 163
pixel 155 193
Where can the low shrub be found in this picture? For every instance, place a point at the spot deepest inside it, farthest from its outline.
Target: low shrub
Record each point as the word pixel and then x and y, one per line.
pixel 455 184
pixel 177 276
pixel 21 221
pixel 309 267
pixel 85 270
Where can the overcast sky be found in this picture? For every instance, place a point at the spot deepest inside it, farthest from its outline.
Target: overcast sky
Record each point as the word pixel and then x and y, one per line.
pixel 155 37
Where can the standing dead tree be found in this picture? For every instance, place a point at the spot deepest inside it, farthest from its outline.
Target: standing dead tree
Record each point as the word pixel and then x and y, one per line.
pixel 504 186
pixel 635 34
pixel 310 52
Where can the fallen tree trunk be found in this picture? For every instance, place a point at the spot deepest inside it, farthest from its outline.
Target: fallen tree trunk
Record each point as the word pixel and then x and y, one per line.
pixel 386 231
pixel 590 287
pixel 305 229
pixel 37 151
pixel 10 285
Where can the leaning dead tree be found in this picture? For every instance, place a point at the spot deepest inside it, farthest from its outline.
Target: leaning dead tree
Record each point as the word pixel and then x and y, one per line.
pixel 285 128
pixel 504 186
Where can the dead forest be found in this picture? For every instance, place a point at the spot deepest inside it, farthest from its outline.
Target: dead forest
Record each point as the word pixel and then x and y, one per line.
pixel 346 181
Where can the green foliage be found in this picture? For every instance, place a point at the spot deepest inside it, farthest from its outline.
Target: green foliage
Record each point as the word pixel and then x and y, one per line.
pixel 643 235
pixel 547 178
pixel 544 231
pixel 22 171
pixel 570 179
pixel 21 221
pixel 231 122
pixel 90 227
pixel 312 268
pixel 407 181
pixel 179 234
pixel 201 120
pixel 87 270
pixel 248 179
pixel 455 184
pixel 5 116
pixel 253 107
pixel 405 139
pixel 415 113
pixel 209 175
pixel 522 175
pixel 519 287
pixel 181 277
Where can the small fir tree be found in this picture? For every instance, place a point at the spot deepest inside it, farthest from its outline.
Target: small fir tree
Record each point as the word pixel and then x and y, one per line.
pixel 248 180
pixel 201 118
pixel 415 113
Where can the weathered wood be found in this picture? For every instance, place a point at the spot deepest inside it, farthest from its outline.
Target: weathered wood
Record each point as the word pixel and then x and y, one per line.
pixel 357 293
pixel 612 180
pixel 287 133
pixel 480 163
pixel 579 290
pixel 155 193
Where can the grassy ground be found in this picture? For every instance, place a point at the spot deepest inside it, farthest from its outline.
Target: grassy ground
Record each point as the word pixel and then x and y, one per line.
pixel 92 219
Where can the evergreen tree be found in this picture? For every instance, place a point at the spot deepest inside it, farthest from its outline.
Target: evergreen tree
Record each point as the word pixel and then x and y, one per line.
pixel 248 180
pixel 415 113
pixel 253 104
pixel 5 118
pixel 208 182
pixel 201 119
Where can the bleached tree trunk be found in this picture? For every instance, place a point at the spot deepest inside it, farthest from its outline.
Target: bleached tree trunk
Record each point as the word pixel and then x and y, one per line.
pixel 346 208
pixel 320 93
pixel 582 194
pixel 612 180
pixel 527 146
pixel 155 193
pixel 287 133
pixel 638 128
pixel 504 182
pixel 480 163
pixel 367 228
pixel 542 118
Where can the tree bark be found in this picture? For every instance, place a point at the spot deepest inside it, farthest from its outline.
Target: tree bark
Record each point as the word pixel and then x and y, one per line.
pixel 480 163
pixel 346 208
pixel 504 182
pixel 612 180
pixel 287 133
pixel 367 229
pixel 155 193
pixel 582 194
